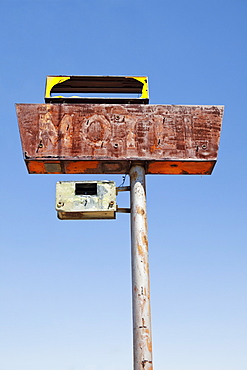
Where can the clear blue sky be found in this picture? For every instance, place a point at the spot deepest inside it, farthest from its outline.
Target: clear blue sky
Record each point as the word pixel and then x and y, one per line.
pixel 65 287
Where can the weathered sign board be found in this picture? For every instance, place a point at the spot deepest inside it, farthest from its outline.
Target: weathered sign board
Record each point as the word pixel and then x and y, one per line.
pixel 104 138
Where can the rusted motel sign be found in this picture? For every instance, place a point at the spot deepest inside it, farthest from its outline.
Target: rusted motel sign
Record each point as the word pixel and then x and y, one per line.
pixel 119 135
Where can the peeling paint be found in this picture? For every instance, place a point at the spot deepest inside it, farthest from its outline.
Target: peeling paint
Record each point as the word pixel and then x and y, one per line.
pixel 166 139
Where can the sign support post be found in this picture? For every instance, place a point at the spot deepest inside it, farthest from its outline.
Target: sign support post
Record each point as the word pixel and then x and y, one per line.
pixel 142 336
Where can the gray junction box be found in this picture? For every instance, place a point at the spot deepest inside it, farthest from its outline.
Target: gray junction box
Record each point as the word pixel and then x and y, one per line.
pixel 80 200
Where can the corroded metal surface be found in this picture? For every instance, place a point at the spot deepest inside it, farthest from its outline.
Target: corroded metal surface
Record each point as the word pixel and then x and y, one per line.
pixel 142 336
pixel 91 138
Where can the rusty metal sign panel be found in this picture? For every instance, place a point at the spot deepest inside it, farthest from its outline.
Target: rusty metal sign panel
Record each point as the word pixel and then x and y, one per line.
pixel 103 138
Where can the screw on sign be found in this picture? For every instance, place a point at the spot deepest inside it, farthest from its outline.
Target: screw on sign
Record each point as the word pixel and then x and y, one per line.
pixel 99 135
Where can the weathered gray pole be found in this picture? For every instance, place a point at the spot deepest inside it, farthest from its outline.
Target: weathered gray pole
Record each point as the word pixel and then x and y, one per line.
pixel 142 336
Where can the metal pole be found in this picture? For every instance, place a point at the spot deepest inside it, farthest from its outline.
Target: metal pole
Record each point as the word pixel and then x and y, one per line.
pixel 142 337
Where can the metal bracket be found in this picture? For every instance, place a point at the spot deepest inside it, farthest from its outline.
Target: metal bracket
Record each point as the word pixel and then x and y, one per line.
pixel 123 210
pixel 123 188
pixel 120 189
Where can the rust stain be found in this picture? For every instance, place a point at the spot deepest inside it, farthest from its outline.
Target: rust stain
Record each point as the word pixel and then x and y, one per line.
pixel 48 135
pixel 153 148
pixel 145 240
pixel 65 132
pixel 169 139
pixel 140 250
pixel 142 254
pixel 149 345
pixel 98 128
pixel 140 211
pixel 146 267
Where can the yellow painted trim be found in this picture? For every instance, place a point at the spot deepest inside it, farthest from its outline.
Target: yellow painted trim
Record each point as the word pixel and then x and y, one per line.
pixel 144 81
pixel 68 97
pixel 52 81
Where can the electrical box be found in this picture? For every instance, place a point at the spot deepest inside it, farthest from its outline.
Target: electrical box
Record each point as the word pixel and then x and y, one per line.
pixel 80 200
